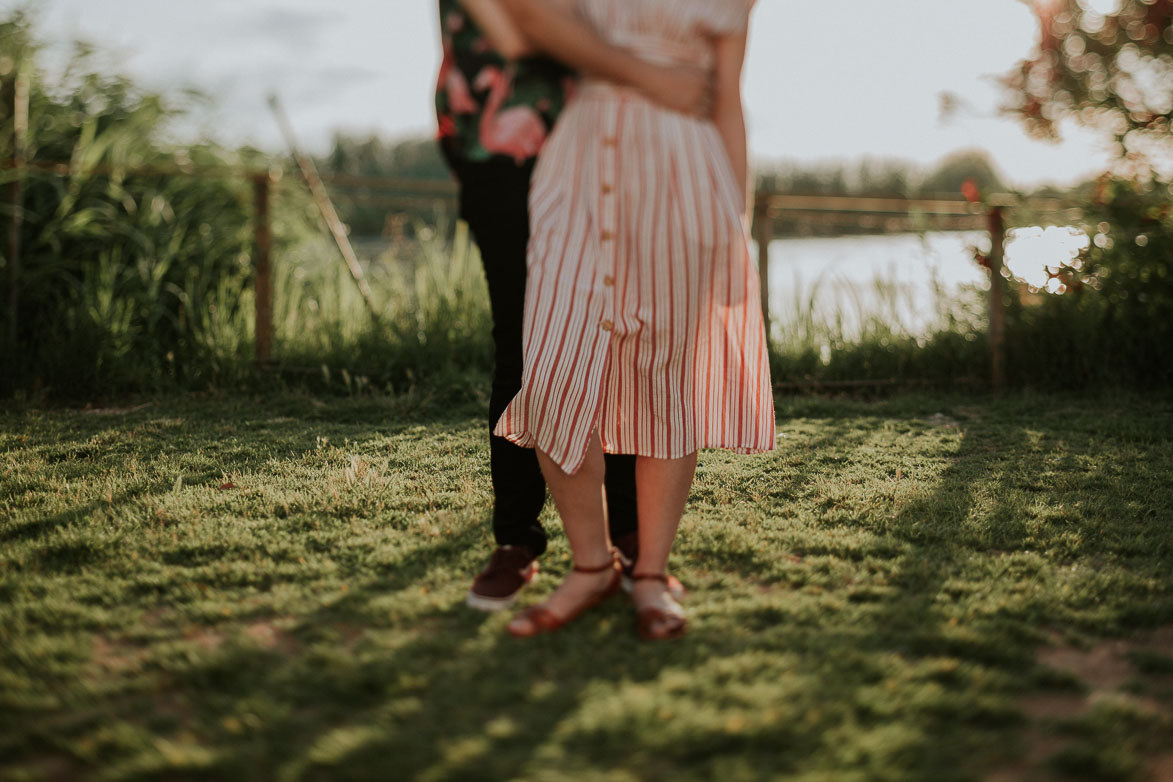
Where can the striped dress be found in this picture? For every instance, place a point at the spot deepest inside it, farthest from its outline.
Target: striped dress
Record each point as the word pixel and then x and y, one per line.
pixel 642 314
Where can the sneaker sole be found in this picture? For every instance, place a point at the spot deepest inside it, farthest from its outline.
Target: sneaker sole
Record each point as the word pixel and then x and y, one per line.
pixel 490 604
pixel 493 604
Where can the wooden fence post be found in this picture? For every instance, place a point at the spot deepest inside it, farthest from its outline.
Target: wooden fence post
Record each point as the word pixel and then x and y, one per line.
pixel 20 122
pixel 997 227
pixel 763 230
pixel 338 230
pixel 263 285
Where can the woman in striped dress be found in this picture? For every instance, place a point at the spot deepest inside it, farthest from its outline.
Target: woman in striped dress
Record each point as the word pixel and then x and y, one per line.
pixel 643 332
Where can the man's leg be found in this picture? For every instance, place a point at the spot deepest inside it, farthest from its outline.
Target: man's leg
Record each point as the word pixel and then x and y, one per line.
pixel 622 517
pixel 494 202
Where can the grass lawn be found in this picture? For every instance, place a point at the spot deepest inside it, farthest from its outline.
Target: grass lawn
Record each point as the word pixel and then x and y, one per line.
pixel 920 588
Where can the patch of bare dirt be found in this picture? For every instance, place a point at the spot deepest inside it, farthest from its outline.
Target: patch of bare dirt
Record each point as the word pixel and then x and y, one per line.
pixel 1103 670
pixel 119 656
pixel 116 657
pixel 1161 768
pixel 155 616
pixel 1039 748
pixel 206 638
pixel 268 635
pixel 1103 667
pixel 1053 706
pixel 1159 641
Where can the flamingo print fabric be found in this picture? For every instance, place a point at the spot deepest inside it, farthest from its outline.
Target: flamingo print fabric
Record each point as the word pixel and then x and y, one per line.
pixel 642 317
pixel 487 108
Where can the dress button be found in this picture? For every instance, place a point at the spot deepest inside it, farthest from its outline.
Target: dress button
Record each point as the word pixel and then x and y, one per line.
pixel 607 325
pixel 608 280
pixel 607 236
pixel 607 189
pixel 610 141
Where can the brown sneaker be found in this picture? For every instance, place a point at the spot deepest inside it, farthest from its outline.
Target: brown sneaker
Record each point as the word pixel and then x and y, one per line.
pixel 628 547
pixel 509 569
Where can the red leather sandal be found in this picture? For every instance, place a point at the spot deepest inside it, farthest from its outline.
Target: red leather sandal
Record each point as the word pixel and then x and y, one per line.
pixel 542 620
pixel 655 624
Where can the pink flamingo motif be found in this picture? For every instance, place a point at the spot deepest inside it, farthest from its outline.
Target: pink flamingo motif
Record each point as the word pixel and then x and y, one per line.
pixel 460 99
pixel 517 131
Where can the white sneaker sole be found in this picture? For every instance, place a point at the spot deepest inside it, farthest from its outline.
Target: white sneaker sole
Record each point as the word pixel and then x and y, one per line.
pixel 490 604
pixel 494 604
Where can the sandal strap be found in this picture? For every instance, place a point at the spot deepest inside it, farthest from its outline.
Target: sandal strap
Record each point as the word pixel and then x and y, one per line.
pixel 584 569
pixel 542 619
pixel 662 577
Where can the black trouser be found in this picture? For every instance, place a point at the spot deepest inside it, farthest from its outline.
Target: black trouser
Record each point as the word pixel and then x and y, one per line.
pixel 494 200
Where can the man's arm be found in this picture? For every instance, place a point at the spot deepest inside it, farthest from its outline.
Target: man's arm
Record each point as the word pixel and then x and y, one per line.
pixel 498 26
pixel 551 27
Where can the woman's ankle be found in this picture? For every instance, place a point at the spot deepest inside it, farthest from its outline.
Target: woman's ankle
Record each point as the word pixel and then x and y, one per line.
pixel 649 566
pixel 646 590
pixel 594 562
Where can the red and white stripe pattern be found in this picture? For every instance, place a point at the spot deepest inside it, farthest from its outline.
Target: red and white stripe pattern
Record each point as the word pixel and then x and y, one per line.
pixel 642 315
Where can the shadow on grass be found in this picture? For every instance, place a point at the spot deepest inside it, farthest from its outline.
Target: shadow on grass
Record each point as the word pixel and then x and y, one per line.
pixel 854 639
pixel 1015 505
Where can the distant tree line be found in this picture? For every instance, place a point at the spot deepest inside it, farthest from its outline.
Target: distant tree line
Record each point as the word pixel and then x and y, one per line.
pixel 892 178
pixel 365 208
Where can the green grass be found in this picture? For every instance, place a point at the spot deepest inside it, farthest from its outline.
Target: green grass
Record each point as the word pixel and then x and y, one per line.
pixel 231 588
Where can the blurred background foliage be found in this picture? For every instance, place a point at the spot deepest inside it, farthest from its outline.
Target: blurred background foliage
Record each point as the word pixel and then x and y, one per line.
pixel 136 281
pixel 128 280
pixel 1107 66
pixel 1113 322
pixel 137 262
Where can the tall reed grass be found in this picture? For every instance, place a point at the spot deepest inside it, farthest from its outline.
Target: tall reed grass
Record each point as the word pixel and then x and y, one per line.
pixel 431 328
pixel 866 333
pixel 130 279
pixel 434 325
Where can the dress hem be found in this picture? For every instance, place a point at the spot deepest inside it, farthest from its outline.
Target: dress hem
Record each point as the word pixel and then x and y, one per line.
pixel 527 439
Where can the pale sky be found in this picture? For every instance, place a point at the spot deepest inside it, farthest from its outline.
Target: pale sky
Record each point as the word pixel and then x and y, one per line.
pixel 841 80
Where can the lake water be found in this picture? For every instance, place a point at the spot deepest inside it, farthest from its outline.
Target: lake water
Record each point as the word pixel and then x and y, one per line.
pixel 907 279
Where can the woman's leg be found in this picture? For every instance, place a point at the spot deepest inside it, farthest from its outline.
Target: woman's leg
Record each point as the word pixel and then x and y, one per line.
pixel 662 487
pixel 582 505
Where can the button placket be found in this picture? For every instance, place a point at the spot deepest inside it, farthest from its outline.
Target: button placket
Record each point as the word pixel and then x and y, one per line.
pixel 608 212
